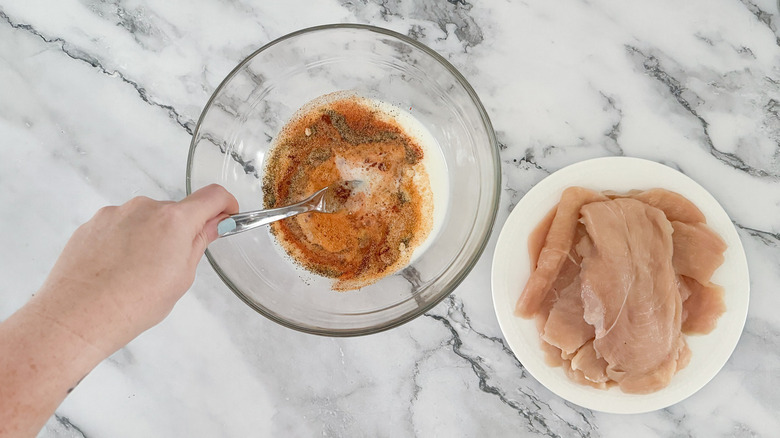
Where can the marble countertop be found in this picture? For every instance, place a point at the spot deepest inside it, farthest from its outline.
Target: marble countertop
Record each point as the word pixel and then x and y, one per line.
pixel 98 101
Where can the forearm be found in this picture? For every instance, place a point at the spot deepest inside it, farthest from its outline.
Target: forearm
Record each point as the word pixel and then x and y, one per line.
pixel 41 361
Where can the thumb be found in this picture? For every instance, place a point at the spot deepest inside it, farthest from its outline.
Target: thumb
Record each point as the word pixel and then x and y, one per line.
pixel 209 232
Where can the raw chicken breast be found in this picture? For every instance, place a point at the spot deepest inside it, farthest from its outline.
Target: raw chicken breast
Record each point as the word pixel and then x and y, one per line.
pixel 565 327
pixel 675 206
pixel 630 294
pixel 538 236
pixel 698 251
pixel 703 306
pixel 616 280
pixel 659 378
pixel 591 365
pixel 557 245
pixel 569 272
pixel 552 355
pixel 564 323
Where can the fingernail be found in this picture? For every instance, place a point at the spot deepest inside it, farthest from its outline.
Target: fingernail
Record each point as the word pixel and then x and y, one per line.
pixel 226 226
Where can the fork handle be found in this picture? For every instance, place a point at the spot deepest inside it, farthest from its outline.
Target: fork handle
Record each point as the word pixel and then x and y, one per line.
pixel 240 222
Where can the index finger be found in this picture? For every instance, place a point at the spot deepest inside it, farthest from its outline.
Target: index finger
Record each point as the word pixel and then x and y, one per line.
pixel 209 202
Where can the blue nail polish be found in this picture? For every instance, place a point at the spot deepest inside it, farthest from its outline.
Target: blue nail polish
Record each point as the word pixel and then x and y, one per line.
pixel 226 226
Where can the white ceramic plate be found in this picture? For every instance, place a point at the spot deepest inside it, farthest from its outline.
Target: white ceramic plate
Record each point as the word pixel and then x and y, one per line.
pixel 511 271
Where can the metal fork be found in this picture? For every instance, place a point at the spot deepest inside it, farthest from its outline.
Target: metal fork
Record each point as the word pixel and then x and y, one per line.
pixel 330 199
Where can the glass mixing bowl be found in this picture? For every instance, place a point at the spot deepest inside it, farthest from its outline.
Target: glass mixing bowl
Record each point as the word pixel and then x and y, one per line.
pixel 247 111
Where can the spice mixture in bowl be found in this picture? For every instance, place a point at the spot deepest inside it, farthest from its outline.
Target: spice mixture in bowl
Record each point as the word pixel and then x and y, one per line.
pixel 340 137
pixel 349 102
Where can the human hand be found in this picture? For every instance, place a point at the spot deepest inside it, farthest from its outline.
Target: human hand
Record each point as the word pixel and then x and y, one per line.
pixel 122 272
pixel 119 274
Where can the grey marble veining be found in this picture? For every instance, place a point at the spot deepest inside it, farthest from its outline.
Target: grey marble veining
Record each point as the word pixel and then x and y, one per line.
pixel 98 101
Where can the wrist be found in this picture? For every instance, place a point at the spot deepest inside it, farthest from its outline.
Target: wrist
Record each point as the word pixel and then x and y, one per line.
pixel 94 321
pixel 41 361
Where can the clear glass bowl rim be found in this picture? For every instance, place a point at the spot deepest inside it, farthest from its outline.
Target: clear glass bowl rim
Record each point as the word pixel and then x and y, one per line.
pixel 447 288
